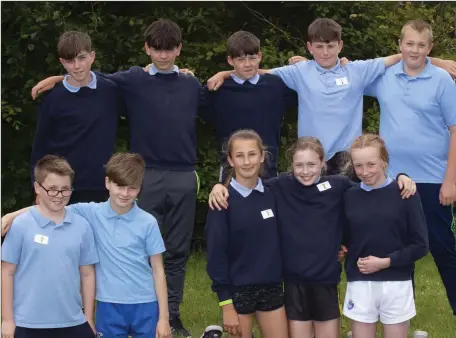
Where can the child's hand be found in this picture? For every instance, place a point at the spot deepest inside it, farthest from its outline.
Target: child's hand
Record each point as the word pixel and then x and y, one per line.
pixel 295 59
pixel 215 82
pixel 42 86
pixel 7 220
pixel 342 253
pixel 163 329
pixel 372 264
pixel 8 328
pixel 231 321
pixel 407 186
pixel 218 197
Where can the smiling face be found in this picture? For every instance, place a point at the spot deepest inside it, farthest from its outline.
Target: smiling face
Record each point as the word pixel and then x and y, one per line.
pixel 325 54
pixel 54 183
pixel 369 166
pixel 415 47
pixel 307 166
pixel 79 67
pixel 246 158
pixel 122 197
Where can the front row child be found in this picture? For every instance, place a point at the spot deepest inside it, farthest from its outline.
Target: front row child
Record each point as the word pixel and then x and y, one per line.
pixel 46 256
pixel 243 252
pixel 385 236
pixel 131 289
pixel 310 212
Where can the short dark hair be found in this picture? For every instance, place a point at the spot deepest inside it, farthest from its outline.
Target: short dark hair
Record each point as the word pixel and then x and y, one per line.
pixel 72 43
pixel 163 34
pixel 126 169
pixel 52 164
pixel 242 43
pixel 324 30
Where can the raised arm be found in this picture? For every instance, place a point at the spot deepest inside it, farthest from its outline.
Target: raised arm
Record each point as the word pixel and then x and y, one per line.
pixel 448 65
pixel 46 84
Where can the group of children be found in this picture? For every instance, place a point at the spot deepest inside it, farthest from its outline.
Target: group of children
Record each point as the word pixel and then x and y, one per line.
pixel 161 104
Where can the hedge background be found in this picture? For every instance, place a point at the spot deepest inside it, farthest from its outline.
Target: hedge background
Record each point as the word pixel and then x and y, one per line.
pixel 30 31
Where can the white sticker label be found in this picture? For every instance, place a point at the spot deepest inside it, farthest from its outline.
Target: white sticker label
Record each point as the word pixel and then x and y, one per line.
pixel 41 239
pixel 267 213
pixel 324 186
pixel 342 81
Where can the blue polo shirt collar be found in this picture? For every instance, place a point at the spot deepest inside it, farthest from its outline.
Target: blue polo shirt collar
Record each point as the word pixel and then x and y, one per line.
pixel 110 213
pixel 336 69
pixel 246 191
pixel 426 73
pixel 253 80
pixel 43 221
pixel 74 89
pixel 384 184
pixel 154 70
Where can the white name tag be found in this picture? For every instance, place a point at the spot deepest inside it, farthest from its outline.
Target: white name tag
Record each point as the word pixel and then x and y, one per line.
pixel 324 186
pixel 267 213
pixel 342 81
pixel 41 239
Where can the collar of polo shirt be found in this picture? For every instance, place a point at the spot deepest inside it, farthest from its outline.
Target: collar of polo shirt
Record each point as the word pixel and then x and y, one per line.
pixel 336 69
pixel 246 191
pixel 110 213
pixel 426 73
pixel 43 221
pixel 154 70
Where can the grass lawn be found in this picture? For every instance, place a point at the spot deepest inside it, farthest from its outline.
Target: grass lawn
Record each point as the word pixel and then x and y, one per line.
pixel 200 307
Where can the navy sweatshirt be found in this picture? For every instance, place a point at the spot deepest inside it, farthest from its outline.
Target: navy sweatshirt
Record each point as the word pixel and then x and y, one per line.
pixel 80 127
pixel 242 243
pixel 311 223
pixel 259 106
pixel 382 224
pixel 162 111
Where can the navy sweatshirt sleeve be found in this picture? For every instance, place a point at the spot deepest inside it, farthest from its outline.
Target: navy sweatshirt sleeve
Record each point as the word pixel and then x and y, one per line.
pixel 204 108
pixel 217 237
pixel 291 98
pixel 418 235
pixel 43 129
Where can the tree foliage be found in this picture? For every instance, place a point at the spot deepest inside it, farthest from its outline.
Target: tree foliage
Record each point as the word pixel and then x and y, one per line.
pixel 30 31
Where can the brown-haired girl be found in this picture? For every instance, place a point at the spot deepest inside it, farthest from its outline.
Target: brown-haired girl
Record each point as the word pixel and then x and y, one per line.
pixel 243 253
pixel 311 220
pixel 385 236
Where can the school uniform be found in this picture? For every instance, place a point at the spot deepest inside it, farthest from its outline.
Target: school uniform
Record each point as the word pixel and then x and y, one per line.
pixel 243 252
pixel 80 124
pixel 382 224
pixel 125 289
pixel 331 102
pixel 415 114
pixel 259 104
pixel 162 108
pixel 46 298
pixel 311 222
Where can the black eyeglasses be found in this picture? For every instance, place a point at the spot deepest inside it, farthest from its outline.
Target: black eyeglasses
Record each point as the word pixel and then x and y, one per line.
pixel 55 193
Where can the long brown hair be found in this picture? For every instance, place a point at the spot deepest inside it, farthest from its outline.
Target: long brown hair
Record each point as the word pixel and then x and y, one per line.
pixel 243 134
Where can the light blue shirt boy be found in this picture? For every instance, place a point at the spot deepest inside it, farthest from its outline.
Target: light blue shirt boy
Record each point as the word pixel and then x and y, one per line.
pixel 124 243
pixel 331 100
pixel 415 114
pixel 47 258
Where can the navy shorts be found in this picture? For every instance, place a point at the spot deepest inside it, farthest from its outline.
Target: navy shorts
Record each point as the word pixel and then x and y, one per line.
pixel 123 320
pixel 251 298
pixel 78 331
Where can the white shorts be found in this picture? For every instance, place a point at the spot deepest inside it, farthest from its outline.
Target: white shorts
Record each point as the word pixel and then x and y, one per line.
pixel 393 301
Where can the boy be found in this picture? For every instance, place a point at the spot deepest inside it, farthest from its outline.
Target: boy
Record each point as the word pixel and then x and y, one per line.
pixel 78 119
pixel 48 253
pixel 162 106
pixel 248 100
pixel 129 301
pixel 418 124
pixel 330 96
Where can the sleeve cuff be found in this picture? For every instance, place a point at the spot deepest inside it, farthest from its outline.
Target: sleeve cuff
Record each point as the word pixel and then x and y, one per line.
pixel 226 302
pixel 223 296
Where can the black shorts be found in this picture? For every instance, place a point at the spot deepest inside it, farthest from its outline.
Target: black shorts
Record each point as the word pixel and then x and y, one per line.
pixel 79 331
pixel 318 302
pixel 251 298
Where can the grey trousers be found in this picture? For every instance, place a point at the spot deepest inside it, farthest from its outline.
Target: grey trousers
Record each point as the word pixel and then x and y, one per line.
pixel 170 196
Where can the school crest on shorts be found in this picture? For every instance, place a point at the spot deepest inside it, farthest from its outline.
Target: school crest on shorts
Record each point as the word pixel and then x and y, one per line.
pixel 350 304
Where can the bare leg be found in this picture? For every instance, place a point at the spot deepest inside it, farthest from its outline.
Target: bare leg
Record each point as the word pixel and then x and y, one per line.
pixel 363 330
pixel 399 330
pixel 327 329
pixel 246 322
pixel 273 324
pixel 300 329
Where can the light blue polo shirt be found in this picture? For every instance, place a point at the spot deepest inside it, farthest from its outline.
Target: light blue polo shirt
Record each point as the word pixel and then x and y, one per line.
pixel 124 243
pixel 415 113
pixel 331 100
pixel 74 89
pixel 47 258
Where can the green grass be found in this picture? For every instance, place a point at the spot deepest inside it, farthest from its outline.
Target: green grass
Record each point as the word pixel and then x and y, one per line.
pixel 200 306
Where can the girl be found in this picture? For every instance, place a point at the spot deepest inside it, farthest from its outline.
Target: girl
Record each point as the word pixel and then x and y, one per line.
pixel 385 236
pixel 243 253
pixel 311 220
